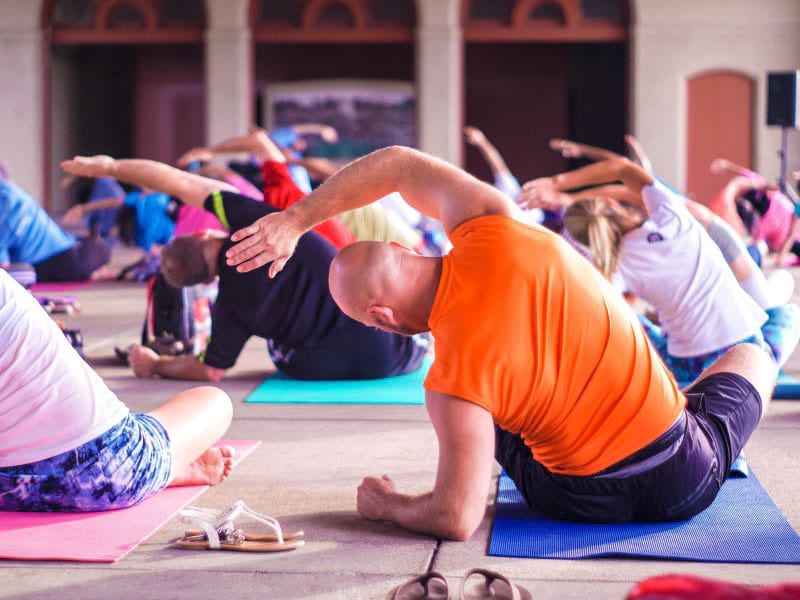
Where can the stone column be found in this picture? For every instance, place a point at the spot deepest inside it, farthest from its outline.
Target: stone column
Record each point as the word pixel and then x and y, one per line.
pixel 229 69
pixel 440 73
pixel 22 101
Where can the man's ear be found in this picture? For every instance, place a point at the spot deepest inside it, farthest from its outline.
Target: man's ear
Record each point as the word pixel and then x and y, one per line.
pixel 382 313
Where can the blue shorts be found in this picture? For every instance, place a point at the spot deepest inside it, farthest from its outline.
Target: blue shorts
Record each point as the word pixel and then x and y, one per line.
pixel 128 463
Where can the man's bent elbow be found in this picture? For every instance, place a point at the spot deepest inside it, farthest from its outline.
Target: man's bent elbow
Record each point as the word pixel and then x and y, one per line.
pixel 461 526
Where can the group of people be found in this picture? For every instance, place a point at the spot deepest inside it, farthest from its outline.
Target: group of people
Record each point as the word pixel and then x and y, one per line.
pixel 597 412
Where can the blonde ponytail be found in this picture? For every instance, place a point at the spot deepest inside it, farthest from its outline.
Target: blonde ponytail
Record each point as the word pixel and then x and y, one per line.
pixel 595 224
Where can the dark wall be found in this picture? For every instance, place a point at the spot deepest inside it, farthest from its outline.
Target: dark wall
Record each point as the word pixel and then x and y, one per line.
pixel 599 94
pixel 106 99
pixel 517 94
pixel 294 62
pixel 522 95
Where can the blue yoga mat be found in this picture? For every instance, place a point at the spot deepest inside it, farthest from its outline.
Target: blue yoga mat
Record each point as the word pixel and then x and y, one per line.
pixel 743 525
pixel 786 388
pixel 403 389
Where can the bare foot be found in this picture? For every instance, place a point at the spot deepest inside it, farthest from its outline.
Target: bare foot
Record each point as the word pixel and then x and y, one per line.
pixel 210 468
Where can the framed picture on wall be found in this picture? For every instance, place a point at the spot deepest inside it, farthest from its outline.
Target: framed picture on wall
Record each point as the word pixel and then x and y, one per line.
pixel 368 114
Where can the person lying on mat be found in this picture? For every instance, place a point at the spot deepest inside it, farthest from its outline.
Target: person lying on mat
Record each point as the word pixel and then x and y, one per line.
pixel 538 359
pixel 656 246
pixel 308 336
pixel 29 235
pixel 67 443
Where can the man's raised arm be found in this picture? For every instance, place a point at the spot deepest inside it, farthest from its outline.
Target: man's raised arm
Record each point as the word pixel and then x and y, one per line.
pixel 257 142
pixel 430 185
pixel 190 188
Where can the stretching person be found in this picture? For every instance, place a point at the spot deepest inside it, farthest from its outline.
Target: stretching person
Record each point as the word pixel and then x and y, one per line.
pixel 590 427
pixel 280 191
pixel 369 223
pixel 68 444
pixel 504 179
pixel 767 292
pixel 665 257
pixel 29 235
pixel 308 336
pixel 750 197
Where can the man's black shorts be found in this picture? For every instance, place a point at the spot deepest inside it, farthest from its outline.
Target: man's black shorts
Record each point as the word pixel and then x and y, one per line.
pixel 723 411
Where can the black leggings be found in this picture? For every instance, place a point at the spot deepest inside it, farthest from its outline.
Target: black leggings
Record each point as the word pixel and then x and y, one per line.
pixel 75 264
pixel 354 351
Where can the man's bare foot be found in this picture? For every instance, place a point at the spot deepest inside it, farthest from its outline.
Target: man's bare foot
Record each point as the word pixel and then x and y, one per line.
pixel 210 468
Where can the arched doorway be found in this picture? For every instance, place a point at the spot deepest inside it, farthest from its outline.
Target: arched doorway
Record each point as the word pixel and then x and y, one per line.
pixel 539 69
pixel 125 78
pixel 719 125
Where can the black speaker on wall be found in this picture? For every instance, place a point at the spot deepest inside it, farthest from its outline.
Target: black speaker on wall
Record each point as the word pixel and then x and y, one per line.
pixel 782 97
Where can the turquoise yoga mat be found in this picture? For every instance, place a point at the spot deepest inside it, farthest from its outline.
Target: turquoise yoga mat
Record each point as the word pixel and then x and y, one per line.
pixel 403 389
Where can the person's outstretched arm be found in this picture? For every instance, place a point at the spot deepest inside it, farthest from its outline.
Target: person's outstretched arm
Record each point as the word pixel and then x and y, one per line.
pixel 319 167
pixel 722 165
pixel 638 153
pixel 326 132
pixel 570 149
pixel 428 184
pixel 456 505
pixel 192 189
pixel 493 158
pixel 257 142
pixel 146 363
pixel 550 189
pixel 76 213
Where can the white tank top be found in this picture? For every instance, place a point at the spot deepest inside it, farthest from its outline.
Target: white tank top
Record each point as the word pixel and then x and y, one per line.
pixel 51 401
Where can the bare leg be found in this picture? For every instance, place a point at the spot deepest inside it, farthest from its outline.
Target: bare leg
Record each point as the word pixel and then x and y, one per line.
pixel 194 420
pixel 752 363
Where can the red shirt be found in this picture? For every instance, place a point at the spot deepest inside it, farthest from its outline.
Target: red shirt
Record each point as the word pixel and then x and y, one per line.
pixel 281 192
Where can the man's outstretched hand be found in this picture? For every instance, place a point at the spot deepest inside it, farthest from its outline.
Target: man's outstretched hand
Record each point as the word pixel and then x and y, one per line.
pixel 273 238
pixel 88 166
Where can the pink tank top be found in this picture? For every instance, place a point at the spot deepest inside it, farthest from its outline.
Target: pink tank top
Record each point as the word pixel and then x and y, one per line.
pixel 776 224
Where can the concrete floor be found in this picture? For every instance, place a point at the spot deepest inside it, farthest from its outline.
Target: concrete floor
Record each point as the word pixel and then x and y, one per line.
pixel 305 473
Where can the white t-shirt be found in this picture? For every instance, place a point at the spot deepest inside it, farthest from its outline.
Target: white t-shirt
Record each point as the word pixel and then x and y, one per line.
pixel 51 401
pixel 671 263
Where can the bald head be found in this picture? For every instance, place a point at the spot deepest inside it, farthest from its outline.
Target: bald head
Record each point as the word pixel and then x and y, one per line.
pixel 384 285
pixel 359 274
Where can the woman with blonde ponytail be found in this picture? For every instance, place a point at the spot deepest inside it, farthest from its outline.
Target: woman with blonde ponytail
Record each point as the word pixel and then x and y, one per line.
pixel 642 233
pixel 594 224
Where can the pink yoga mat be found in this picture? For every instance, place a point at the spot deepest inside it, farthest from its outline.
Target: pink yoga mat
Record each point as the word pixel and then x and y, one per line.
pixel 66 286
pixel 100 536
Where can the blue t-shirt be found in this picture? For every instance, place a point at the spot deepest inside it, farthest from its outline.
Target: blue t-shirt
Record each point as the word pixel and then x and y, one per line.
pixel 27 233
pixel 102 189
pixel 154 223
pixel 285 137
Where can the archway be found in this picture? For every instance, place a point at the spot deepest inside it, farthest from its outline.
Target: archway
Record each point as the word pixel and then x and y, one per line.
pixel 125 77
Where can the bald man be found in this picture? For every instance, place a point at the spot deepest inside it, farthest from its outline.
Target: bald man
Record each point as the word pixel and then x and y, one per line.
pixel 538 360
